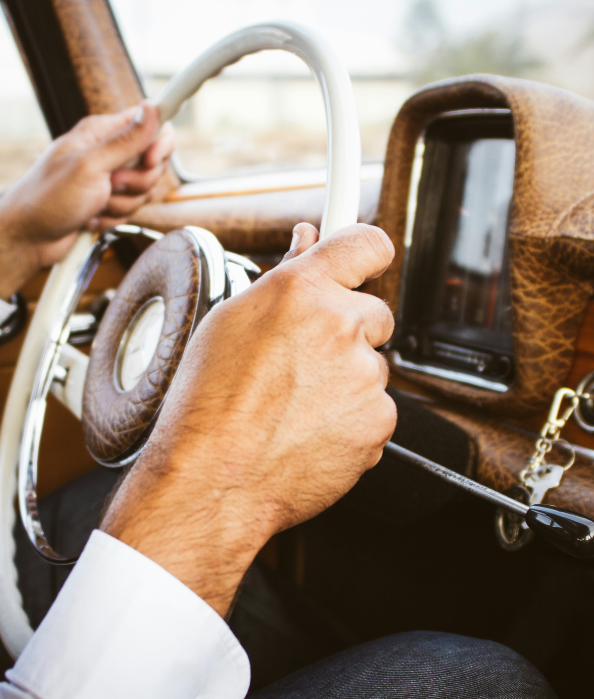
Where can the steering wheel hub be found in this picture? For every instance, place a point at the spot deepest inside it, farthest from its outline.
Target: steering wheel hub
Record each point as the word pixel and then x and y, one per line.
pixel 139 344
pixel 142 339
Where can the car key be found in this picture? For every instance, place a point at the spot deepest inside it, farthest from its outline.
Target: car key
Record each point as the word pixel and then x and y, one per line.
pixel 539 476
pixel 546 478
pixel 568 531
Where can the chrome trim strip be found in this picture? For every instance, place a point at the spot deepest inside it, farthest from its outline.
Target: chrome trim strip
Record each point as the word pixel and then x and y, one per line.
pixel 251 268
pixel 215 261
pixel 238 278
pixel 471 112
pixel 413 192
pixel 449 374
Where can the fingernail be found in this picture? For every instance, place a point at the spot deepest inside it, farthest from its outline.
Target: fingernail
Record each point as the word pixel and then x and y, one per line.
pixel 93 224
pixel 295 240
pixel 139 116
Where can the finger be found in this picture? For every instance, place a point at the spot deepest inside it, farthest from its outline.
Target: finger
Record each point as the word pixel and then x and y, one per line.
pixel 119 205
pixel 102 223
pixel 135 181
pixel 129 142
pixel 385 423
pixel 97 127
pixel 375 318
pixel 378 424
pixel 304 236
pixel 161 149
pixel 384 368
pixel 352 255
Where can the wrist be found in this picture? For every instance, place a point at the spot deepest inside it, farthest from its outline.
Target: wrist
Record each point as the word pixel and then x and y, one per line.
pixel 17 258
pixel 205 537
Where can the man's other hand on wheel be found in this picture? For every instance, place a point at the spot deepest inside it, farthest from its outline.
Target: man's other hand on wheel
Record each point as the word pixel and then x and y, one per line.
pixel 84 179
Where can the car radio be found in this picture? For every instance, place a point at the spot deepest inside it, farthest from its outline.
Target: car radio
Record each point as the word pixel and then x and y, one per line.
pixel 488 198
pixel 455 316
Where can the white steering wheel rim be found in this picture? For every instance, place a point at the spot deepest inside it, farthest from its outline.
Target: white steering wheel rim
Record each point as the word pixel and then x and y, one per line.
pixel 15 629
pixel 340 209
pixel 341 206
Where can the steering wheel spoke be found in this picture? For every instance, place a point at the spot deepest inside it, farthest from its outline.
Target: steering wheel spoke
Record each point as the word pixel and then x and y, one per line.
pixel 69 379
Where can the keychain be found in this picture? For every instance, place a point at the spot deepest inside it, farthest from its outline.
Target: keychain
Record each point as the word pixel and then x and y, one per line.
pixel 539 476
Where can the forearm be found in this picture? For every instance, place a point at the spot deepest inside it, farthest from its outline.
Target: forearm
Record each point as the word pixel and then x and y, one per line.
pixel 206 539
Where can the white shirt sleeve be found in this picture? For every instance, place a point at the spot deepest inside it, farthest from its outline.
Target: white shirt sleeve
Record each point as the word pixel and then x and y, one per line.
pixel 123 627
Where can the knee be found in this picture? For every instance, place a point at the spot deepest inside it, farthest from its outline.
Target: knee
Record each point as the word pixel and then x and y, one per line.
pixel 459 666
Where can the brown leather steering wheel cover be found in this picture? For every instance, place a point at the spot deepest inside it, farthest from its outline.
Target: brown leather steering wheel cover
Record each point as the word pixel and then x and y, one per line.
pixel 174 269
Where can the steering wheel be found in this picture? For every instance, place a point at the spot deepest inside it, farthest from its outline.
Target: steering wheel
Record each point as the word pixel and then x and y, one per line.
pixel 118 391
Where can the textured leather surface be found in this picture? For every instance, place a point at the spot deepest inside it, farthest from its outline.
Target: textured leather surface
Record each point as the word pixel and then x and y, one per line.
pixel 173 268
pixel 100 61
pixel 104 73
pixel 502 452
pixel 253 223
pixel 552 240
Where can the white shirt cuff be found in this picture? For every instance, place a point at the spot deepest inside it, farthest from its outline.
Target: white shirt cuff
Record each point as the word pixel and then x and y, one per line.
pixel 6 310
pixel 123 627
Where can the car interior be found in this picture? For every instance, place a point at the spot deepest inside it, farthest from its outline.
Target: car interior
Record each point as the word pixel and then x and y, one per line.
pixel 487 193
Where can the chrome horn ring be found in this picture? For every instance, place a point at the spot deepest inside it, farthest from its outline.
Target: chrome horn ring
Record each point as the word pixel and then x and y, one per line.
pixel 52 370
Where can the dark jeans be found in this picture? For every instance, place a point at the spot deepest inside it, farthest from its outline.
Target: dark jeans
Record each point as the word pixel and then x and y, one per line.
pixel 417 665
pixel 282 629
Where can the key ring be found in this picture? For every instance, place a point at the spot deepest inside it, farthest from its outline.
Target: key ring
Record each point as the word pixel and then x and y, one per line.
pixel 563 444
pixel 549 434
pixel 539 476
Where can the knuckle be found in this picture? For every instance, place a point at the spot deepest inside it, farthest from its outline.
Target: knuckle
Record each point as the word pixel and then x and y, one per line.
pixel 379 241
pixel 82 165
pixel 387 417
pixel 382 312
pixel 284 289
pixel 384 368
pixel 368 373
pixel 299 281
pixel 289 279
pixel 87 122
pixel 381 430
pixel 345 327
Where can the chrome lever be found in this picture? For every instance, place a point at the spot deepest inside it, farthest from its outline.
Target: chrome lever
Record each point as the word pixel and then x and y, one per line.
pixel 568 531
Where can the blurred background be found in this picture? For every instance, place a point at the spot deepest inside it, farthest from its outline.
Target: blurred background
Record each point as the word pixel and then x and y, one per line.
pixel 266 112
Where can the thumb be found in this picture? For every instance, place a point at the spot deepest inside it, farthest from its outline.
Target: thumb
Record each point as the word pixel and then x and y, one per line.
pixel 129 142
pixel 352 255
pixel 304 236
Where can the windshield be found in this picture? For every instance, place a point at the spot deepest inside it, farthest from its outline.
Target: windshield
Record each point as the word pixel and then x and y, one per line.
pixel 266 112
pixel 23 133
